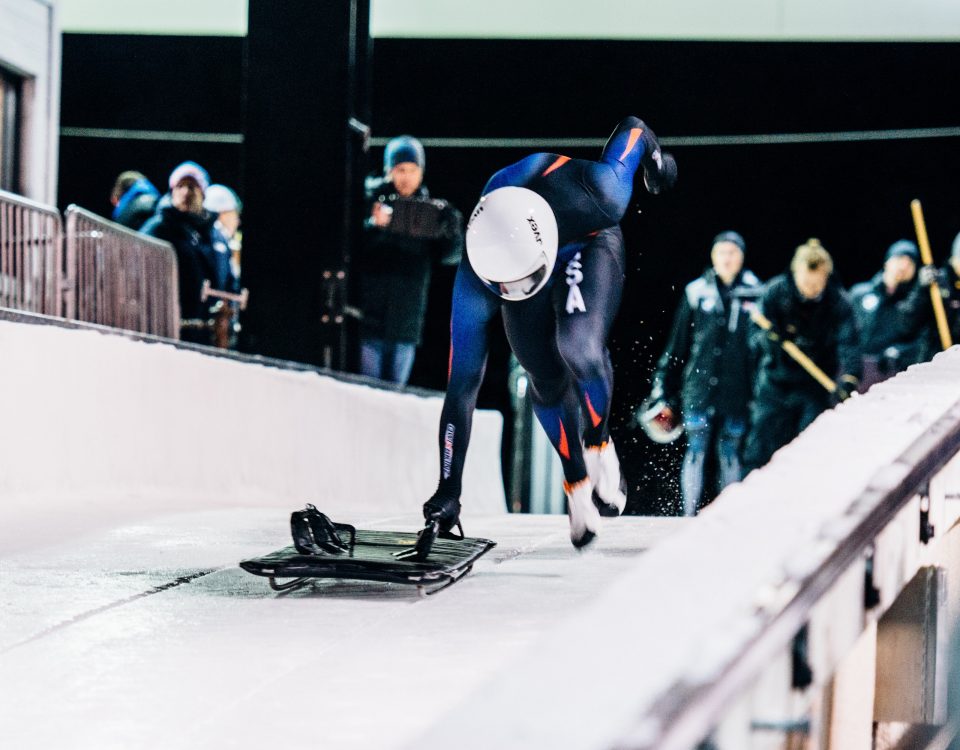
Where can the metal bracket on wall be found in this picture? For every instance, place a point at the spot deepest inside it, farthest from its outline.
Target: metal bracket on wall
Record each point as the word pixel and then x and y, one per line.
pixel 362 129
pixel 333 296
pixel 801 672
pixel 334 311
pixel 871 594
pixel 927 529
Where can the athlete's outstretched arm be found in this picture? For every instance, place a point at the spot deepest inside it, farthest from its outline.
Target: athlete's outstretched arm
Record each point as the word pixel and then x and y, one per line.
pixel 473 309
pixel 630 147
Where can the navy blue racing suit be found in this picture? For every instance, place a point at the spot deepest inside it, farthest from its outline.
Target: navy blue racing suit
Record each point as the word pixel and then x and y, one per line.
pixel 559 334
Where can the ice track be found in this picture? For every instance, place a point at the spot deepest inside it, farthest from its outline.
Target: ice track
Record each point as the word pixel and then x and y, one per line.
pixel 149 636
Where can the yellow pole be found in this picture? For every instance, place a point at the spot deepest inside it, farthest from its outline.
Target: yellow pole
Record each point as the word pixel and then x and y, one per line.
pixel 935 297
pixel 795 352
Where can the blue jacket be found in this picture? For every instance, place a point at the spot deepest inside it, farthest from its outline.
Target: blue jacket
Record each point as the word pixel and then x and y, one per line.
pixel 136 205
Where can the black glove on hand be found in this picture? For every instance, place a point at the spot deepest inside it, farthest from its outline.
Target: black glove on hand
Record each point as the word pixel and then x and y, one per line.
pixel 661 175
pixel 889 361
pixel 846 387
pixel 442 508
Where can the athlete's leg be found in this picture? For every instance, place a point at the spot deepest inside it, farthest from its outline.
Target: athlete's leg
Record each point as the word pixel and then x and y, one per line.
pixel 531 328
pixel 532 331
pixel 586 306
pixel 473 309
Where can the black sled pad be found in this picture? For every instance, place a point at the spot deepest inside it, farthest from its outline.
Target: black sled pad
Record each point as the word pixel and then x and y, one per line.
pixel 386 556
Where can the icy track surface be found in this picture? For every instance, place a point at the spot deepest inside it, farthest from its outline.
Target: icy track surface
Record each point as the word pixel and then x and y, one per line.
pixel 150 636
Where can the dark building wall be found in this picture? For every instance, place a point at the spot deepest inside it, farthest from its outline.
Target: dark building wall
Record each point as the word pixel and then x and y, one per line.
pixel 854 196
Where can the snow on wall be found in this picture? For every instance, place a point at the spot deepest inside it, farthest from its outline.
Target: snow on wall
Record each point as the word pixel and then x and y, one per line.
pixel 99 429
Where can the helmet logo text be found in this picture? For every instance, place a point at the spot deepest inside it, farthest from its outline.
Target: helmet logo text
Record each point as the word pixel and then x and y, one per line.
pixel 535 229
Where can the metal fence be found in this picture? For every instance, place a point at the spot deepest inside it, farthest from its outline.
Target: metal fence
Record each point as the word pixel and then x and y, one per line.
pixel 119 278
pixel 96 272
pixel 31 252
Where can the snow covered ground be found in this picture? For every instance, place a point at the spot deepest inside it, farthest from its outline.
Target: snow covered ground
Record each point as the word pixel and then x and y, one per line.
pixel 149 635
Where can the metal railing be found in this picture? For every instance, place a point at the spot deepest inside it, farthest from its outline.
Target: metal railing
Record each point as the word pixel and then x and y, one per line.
pixel 119 278
pixel 31 251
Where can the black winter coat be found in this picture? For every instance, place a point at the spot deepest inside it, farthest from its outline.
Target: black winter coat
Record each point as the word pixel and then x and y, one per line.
pixel 918 313
pixel 884 322
pixel 395 270
pixel 824 329
pixel 202 254
pixel 707 365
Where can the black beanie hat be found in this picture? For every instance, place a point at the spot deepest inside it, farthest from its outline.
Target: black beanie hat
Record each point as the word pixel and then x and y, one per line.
pixel 403 148
pixel 730 236
pixel 903 247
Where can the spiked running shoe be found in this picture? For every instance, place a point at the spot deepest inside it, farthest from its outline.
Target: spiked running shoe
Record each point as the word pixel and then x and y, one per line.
pixel 584 516
pixel 609 487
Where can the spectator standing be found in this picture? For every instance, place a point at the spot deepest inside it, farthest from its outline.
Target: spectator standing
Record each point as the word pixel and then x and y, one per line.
pixel 706 371
pixel 202 250
pixel 396 261
pixel 226 204
pixel 888 343
pixel 134 199
pixel 920 309
pixel 808 307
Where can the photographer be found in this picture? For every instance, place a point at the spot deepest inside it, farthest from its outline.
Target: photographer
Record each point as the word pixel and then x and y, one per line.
pixel 405 233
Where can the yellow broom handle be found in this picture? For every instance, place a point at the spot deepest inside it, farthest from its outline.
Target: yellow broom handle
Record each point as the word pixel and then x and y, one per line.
pixel 796 353
pixel 935 297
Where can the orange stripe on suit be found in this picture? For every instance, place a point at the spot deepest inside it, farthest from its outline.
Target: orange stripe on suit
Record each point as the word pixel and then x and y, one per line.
pixel 561 160
pixel 635 134
pixel 594 417
pixel 563 448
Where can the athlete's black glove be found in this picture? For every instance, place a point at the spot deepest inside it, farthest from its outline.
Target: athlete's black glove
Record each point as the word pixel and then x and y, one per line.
pixel 661 174
pixel 444 509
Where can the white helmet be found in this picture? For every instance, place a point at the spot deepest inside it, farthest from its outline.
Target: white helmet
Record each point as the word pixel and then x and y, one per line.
pixel 512 242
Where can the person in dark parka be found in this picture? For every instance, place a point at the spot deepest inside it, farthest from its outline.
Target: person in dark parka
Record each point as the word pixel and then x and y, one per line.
pixel 888 343
pixel 203 253
pixel 918 309
pixel 805 306
pixel 705 372
pixel 396 263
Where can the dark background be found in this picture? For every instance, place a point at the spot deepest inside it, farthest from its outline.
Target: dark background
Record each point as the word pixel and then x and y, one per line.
pixel 854 196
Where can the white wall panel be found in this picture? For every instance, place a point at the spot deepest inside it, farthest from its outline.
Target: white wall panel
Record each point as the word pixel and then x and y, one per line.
pixel 98 428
